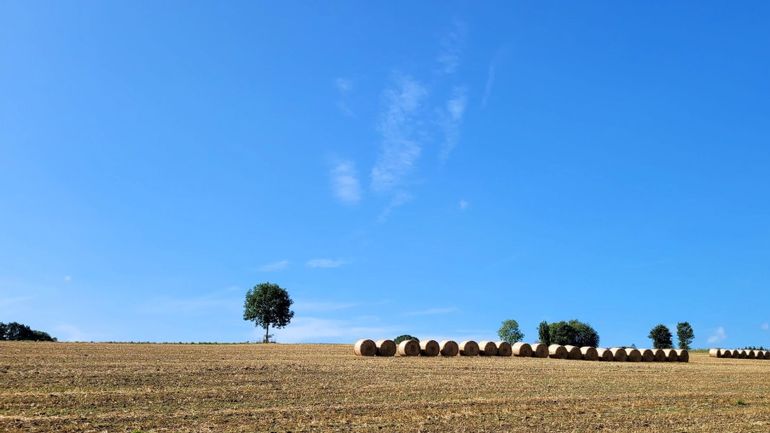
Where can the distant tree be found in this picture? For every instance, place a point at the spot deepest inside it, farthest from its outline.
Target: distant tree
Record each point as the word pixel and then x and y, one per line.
pixel 510 332
pixel 405 337
pixel 562 333
pixel 661 337
pixel 266 305
pixel 19 332
pixel 544 333
pixel 685 334
pixel 574 332
pixel 585 334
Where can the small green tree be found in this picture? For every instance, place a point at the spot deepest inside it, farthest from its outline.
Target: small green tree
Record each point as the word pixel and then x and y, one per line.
pixel 266 305
pixel 685 334
pixel 562 333
pixel 544 333
pixel 585 335
pixel 510 332
pixel 405 337
pixel 661 337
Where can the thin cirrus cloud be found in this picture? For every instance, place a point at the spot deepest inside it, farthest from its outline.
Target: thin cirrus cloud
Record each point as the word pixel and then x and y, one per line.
pixel 345 184
pixel 344 88
pixel 451 48
pixel 325 263
pixel 452 118
pixel 274 266
pixel 718 336
pixel 464 204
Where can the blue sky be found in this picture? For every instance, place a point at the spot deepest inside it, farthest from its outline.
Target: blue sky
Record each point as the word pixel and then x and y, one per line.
pixel 430 168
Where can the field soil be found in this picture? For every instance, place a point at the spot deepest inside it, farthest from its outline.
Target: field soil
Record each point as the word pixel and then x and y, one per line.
pixel 73 387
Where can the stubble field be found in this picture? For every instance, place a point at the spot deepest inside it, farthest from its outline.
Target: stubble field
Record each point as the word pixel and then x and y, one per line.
pixel 72 387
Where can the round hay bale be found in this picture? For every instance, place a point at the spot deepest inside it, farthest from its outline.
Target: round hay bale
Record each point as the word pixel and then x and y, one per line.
pixel 557 351
pixel 716 353
pixel 386 348
pixel 448 348
pixel 760 354
pixel 742 354
pixel 522 349
pixel 767 354
pixel 573 352
pixel 647 355
pixel 539 350
pixel 725 353
pixel 487 348
pixel 660 356
pixel 682 355
pixel 750 354
pixel 605 354
pixel 365 347
pixel 429 348
pixel 589 353
pixel 504 348
pixel 671 355
pixel 633 355
pixel 619 354
pixel 469 348
pixel 408 348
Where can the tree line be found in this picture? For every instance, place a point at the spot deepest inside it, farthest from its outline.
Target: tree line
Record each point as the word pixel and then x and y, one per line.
pixel 19 332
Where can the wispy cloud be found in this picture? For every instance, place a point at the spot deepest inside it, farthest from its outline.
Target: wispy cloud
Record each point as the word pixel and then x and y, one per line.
pixel 488 85
pixel 69 332
pixel 274 266
pixel 463 204
pixel 344 88
pixel 452 118
pixel 718 336
pixel 67 278
pixel 400 147
pixel 325 263
pixel 322 306
pixel 399 199
pixel 230 299
pixel 765 326
pixel 345 184
pixel 432 311
pixel 451 48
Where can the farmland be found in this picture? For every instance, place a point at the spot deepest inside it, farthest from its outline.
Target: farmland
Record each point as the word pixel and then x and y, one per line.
pixel 68 387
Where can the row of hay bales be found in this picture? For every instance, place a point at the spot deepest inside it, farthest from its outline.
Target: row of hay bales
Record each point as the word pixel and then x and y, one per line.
pixel 739 353
pixel 367 347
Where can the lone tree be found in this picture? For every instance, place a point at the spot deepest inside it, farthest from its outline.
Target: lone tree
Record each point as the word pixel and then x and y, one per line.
pixel 544 332
pixel 661 337
pixel 268 304
pixel 510 332
pixel 685 334
pixel 405 337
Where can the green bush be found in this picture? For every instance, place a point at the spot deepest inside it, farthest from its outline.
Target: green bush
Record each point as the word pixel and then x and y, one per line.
pixel 574 333
pixel 405 337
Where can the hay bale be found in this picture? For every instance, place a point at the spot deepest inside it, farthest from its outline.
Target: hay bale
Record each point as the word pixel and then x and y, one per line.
pixel 660 356
pixel 539 350
pixel 634 355
pixel 408 348
pixel 523 349
pixel 573 352
pixel 386 348
pixel 504 348
pixel 469 348
pixel 760 354
pixel 750 354
pixel 429 348
pixel 365 347
pixel 605 354
pixel 742 354
pixel 589 353
pixel 647 355
pixel 557 351
pixel 487 348
pixel 619 354
pixel 671 355
pixel 727 353
pixel 682 355
pixel 767 354
pixel 716 353
pixel 448 348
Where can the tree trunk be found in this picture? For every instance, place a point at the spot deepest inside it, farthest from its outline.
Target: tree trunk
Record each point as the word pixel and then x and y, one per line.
pixel 266 340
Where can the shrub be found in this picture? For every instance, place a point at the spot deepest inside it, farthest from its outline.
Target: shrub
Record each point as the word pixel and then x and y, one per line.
pixel 574 333
pixel 404 337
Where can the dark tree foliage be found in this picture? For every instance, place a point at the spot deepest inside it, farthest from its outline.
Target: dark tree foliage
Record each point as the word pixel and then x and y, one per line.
pixel 405 337
pixel 544 333
pixel 661 337
pixel 266 305
pixel 19 332
pixel 685 334
pixel 509 331
pixel 574 332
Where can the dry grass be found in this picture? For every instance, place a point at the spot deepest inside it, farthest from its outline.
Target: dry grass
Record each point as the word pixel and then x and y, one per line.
pixel 319 388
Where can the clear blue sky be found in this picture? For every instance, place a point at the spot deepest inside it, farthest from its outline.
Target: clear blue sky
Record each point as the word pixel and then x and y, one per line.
pixel 430 168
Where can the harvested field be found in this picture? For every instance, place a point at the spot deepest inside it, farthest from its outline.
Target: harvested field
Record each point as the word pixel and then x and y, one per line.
pixel 68 387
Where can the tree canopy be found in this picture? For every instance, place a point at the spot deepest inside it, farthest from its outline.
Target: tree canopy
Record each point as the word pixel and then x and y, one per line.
pixel 685 334
pixel 573 332
pixel 266 305
pixel 18 332
pixel 510 332
pixel 405 337
pixel 661 337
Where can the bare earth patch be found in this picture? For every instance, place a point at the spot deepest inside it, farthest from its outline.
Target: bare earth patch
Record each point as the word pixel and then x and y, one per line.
pixel 73 387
